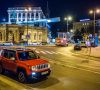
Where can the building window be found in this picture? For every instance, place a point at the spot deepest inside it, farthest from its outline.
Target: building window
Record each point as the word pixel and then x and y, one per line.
pixel 0 36
pixel 34 36
pixel 40 36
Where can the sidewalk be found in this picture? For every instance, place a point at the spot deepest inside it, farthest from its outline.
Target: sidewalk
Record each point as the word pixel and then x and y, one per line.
pixel 89 61
pixel 94 51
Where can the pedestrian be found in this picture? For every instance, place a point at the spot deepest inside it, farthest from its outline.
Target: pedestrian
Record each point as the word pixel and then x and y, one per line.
pixel 88 44
pixel 96 40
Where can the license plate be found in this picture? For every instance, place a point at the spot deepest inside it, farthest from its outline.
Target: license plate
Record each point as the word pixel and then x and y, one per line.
pixel 43 73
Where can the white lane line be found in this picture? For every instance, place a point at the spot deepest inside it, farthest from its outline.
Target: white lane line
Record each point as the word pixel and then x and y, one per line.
pixel 37 51
pixel 43 52
pixel 49 52
pixel 70 66
pixel 53 52
pixel 62 53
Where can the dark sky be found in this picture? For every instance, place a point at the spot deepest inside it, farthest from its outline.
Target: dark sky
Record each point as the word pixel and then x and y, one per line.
pixel 58 8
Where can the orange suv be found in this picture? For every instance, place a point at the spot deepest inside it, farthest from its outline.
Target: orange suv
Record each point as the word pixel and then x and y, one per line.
pixel 25 63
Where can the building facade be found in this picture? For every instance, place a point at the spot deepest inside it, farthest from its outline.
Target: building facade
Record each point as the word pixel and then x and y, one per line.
pixel 27 24
pixel 23 15
pixel 18 33
pixel 87 26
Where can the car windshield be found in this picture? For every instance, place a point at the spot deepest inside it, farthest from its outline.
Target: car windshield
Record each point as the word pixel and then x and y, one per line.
pixel 27 55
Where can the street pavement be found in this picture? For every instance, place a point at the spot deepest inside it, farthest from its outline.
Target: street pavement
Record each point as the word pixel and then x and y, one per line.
pixel 92 51
pixel 75 59
pixel 70 71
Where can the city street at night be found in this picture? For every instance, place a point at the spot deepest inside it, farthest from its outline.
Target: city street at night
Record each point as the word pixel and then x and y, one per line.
pixel 49 45
pixel 69 72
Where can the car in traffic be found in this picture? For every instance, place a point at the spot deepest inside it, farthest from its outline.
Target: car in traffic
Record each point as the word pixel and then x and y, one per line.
pixel 77 47
pixel 24 63
pixel 61 42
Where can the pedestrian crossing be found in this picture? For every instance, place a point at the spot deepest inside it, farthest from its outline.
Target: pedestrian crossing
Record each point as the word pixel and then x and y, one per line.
pixel 46 52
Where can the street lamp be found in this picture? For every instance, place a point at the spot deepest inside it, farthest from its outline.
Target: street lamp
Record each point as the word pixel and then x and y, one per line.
pixel 27 11
pixel 69 18
pixel 94 12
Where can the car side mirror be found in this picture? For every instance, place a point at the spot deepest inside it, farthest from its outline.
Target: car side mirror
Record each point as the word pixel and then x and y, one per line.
pixel 12 58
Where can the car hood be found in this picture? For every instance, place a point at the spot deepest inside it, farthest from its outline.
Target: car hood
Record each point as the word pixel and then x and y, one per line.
pixel 35 62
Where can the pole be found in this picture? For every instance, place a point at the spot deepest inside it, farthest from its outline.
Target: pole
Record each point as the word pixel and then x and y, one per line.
pixel 67 25
pixel 94 23
pixel 27 27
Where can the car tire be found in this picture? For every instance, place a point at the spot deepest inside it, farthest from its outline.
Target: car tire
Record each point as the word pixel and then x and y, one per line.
pixel 1 70
pixel 21 76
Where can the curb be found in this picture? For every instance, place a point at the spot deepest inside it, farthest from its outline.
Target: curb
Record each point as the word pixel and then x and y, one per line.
pixel 78 53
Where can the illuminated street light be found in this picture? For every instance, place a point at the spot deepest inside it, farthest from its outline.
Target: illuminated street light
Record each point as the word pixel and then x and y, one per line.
pixel 91 11
pixel 69 18
pixel 27 10
pixel 94 12
pixel 98 11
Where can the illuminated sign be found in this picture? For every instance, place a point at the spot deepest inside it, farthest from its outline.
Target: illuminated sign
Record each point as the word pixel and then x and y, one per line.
pixel 82 20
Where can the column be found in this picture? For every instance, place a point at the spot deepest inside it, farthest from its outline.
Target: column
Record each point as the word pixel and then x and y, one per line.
pixel 39 15
pixel 17 17
pixel 30 17
pixel 26 17
pixel 9 19
pixel 34 15
pixel 21 16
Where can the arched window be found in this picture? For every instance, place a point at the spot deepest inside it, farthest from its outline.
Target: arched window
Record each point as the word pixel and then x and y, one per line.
pixel 40 36
pixel 34 36
pixel 0 36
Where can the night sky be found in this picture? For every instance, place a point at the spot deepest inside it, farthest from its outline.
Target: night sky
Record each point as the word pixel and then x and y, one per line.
pixel 58 8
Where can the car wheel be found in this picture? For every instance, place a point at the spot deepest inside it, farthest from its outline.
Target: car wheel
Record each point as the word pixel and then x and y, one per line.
pixel 21 77
pixel 1 70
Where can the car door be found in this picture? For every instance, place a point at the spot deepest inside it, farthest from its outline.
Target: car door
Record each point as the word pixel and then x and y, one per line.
pixel 7 62
pixel 5 59
pixel 12 61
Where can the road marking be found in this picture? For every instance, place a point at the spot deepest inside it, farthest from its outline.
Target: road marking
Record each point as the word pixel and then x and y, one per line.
pixel 43 52
pixel 62 53
pixel 70 66
pixel 37 51
pixel 11 83
pixel 48 52
pixel 53 52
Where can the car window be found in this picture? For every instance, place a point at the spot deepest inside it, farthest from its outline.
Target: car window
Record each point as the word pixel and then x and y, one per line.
pixel 1 52
pixel 5 54
pixel 29 55
pixel 12 54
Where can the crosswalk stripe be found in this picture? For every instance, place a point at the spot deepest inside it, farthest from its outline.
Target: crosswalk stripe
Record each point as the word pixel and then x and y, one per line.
pixel 54 52
pixel 43 52
pixel 46 52
pixel 49 52
pixel 37 51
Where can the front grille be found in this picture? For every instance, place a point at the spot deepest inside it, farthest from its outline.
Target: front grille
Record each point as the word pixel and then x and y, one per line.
pixel 42 66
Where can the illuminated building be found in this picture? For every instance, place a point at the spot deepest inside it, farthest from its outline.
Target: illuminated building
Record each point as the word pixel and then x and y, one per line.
pixel 86 25
pixel 22 15
pixel 26 24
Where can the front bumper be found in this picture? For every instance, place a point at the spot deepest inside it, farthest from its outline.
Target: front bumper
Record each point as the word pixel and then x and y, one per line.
pixel 39 75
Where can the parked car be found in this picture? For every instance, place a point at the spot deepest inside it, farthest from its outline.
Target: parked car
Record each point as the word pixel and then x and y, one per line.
pixel 24 63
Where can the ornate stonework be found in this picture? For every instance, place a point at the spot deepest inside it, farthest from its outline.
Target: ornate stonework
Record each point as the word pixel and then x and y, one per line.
pixel 16 33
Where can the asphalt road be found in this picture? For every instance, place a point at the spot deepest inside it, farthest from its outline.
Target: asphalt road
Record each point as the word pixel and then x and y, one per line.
pixel 67 73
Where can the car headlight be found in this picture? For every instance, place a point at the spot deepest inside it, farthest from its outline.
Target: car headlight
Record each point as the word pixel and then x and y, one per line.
pixel 33 68
pixel 48 65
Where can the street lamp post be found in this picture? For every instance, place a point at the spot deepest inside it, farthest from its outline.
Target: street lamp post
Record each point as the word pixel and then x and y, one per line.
pixel 69 18
pixel 94 11
pixel 27 11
